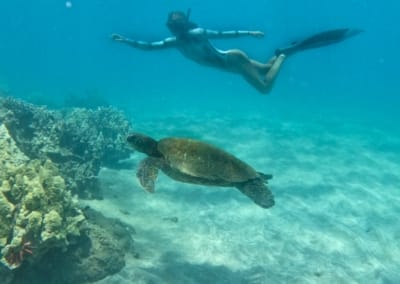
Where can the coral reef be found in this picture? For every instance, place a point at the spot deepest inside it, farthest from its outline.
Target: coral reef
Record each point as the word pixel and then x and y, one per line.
pixel 44 236
pixel 37 212
pixel 96 254
pixel 79 141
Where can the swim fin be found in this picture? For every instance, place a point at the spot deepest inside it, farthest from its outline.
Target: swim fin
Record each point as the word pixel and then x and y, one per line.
pixel 319 40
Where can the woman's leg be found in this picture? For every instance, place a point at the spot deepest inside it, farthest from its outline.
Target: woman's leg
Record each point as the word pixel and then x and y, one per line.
pixel 272 73
pixel 259 75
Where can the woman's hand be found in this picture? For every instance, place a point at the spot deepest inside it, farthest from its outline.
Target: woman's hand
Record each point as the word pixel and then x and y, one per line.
pixel 117 37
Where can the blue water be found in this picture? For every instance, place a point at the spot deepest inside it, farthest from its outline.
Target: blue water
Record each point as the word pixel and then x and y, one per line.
pixel 49 51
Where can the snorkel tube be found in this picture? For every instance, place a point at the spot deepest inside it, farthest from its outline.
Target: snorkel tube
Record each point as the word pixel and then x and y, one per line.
pixel 188 12
pixel 190 25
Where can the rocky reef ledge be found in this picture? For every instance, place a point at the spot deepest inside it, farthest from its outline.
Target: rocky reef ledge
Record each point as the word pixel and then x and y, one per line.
pixel 45 237
pixel 36 210
pixel 79 141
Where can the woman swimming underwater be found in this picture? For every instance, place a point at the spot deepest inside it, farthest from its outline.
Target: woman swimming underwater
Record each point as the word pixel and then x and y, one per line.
pixel 194 43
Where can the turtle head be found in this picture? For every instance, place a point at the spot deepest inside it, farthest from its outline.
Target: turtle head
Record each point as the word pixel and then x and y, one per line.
pixel 143 144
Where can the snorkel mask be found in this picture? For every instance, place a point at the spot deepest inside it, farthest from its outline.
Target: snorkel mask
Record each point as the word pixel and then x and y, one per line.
pixel 178 22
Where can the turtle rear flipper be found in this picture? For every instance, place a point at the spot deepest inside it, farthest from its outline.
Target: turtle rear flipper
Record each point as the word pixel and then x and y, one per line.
pixel 257 191
pixel 265 177
pixel 147 172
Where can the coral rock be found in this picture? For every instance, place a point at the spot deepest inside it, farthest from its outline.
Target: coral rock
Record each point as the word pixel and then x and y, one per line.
pixel 79 141
pixel 37 211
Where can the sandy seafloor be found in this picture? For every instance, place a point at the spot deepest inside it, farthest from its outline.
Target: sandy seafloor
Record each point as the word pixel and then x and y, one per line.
pixel 337 190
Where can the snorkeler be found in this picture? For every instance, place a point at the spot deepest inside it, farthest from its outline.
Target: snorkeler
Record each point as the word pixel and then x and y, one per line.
pixel 193 42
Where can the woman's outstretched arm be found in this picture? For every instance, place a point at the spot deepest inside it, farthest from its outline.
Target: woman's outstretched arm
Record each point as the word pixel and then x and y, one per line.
pixel 212 34
pixel 146 45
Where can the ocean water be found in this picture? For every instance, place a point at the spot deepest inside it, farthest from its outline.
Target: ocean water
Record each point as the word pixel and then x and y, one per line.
pixel 329 133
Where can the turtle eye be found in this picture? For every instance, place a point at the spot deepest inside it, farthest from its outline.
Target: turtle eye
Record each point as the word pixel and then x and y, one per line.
pixel 143 143
pixel 136 140
pixel 131 138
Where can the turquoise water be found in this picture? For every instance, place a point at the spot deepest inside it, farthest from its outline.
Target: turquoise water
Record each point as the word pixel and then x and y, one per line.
pixel 328 132
pixel 50 50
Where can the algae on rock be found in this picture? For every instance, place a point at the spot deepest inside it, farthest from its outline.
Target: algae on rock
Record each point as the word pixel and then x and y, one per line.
pixel 37 211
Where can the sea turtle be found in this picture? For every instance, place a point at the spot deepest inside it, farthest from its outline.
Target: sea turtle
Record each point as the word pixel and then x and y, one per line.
pixel 193 161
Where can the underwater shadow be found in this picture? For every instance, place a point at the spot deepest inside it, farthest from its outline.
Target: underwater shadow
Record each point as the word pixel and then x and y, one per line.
pixel 308 191
pixel 173 268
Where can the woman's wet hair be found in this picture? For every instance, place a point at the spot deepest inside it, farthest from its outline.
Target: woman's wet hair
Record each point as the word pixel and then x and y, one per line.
pixel 178 22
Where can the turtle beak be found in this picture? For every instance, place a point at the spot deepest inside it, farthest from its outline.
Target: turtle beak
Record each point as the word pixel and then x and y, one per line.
pixel 142 143
pixel 131 139
pixel 137 141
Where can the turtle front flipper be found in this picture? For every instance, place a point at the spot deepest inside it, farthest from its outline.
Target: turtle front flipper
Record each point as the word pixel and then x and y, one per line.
pixel 147 172
pixel 257 191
